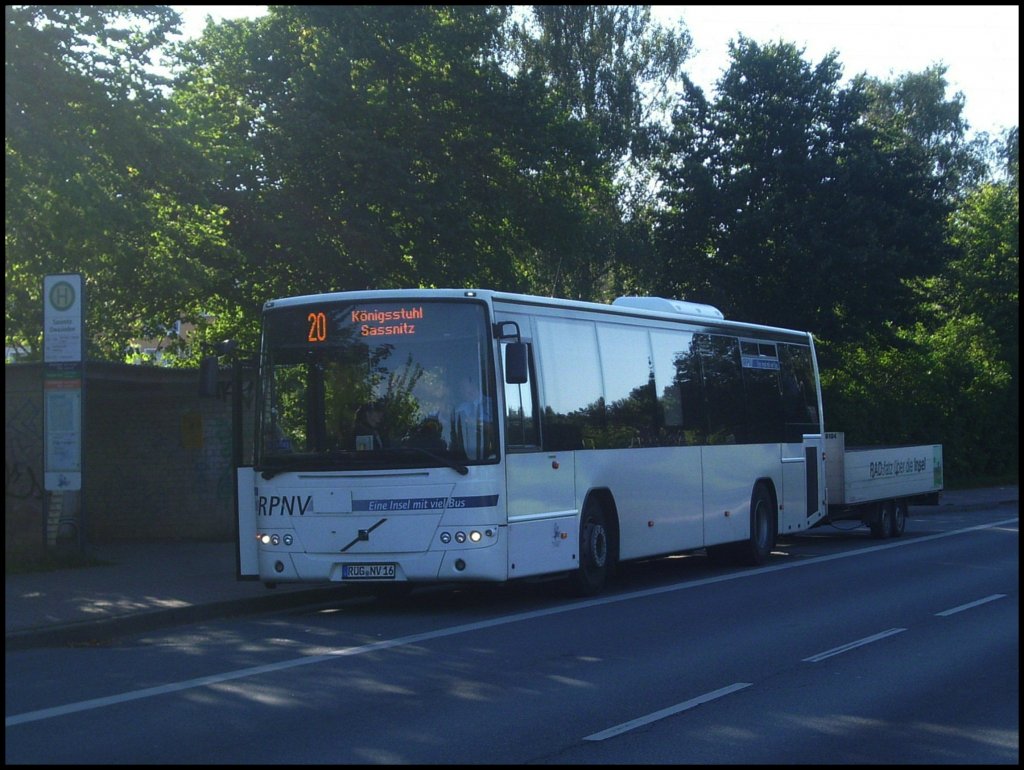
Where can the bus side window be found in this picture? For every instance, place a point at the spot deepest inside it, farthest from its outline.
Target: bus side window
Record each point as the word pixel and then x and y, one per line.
pixel 799 391
pixel 723 388
pixel 520 414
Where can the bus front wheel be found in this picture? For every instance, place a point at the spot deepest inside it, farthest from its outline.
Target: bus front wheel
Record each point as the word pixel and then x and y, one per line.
pixel 595 551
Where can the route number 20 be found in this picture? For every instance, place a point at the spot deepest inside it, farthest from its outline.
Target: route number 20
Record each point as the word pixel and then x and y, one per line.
pixel 317 327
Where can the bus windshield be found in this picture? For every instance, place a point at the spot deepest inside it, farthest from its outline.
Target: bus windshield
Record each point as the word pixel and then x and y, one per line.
pixel 376 385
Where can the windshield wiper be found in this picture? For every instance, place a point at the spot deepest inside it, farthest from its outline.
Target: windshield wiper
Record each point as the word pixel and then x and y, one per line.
pixel 269 473
pixel 271 469
pixel 462 469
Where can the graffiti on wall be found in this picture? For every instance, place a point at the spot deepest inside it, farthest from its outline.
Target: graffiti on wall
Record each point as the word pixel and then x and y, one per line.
pixel 23 472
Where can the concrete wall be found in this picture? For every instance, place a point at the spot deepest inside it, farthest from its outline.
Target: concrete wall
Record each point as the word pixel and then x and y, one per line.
pixel 156 457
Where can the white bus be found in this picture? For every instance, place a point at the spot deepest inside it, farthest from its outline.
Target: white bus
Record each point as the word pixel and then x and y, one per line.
pixel 469 435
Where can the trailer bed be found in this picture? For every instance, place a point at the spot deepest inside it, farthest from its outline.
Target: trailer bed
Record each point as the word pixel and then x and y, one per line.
pixel 876 484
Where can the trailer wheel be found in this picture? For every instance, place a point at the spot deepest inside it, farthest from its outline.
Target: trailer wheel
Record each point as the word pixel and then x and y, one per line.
pixel 899 518
pixel 755 551
pixel 595 559
pixel 881 526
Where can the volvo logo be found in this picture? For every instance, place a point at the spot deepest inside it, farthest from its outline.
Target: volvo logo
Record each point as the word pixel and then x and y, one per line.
pixel 362 535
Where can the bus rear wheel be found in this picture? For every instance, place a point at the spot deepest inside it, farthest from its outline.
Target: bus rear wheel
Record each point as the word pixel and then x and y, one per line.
pixel 595 551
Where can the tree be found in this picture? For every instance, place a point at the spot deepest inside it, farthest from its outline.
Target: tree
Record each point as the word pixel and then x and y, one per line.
pixel 608 71
pixel 608 66
pixel 376 146
pixel 922 384
pixel 983 278
pixel 913 112
pixel 952 374
pixel 346 142
pixel 970 314
pixel 782 206
pixel 96 176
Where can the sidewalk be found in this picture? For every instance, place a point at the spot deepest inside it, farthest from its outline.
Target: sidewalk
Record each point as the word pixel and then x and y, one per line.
pixel 139 587
pixel 145 586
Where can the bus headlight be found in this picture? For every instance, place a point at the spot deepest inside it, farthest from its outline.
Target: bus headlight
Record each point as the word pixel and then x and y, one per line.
pixel 466 537
pixel 267 538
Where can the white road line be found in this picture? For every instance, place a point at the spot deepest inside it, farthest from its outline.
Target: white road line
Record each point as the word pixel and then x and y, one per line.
pixel 632 724
pixel 94 703
pixel 852 645
pixel 962 607
pixel 149 692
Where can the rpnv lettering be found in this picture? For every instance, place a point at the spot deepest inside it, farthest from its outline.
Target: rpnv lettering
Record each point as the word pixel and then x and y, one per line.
pixel 284 505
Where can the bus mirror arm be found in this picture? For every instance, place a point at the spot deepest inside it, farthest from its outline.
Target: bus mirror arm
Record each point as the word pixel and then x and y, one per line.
pixel 506 330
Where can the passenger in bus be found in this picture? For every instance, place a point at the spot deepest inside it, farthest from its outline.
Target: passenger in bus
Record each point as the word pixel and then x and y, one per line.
pixel 369 426
pixel 472 419
pixel 473 405
pixel 276 440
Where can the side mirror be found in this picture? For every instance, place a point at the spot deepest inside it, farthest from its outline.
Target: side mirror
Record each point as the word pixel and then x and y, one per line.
pixel 516 365
pixel 209 370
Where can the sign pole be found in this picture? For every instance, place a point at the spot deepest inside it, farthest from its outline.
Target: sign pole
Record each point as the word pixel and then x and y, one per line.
pixel 63 403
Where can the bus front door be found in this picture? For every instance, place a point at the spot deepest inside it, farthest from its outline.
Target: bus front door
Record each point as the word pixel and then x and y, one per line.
pixel 247 566
pixel 543 528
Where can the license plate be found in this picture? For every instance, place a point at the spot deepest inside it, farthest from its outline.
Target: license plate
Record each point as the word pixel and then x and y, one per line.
pixel 368 571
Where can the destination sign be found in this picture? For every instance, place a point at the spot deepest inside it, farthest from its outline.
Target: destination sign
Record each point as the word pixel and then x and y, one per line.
pixel 376 323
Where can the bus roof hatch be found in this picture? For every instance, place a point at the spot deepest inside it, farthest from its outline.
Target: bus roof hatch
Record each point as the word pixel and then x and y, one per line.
pixel 678 306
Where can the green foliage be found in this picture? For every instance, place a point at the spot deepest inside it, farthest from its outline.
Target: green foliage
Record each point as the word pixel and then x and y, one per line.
pixel 944 386
pixel 608 66
pixel 98 177
pixel 856 213
pixel 605 71
pixel 323 148
pixel 983 277
pixel 953 376
pixel 913 111
pixel 781 206
pixel 361 146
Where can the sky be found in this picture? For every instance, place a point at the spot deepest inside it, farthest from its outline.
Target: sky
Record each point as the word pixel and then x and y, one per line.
pixel 980 44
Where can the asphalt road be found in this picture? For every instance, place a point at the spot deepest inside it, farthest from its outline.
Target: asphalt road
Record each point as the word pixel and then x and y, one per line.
pixel 843 649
